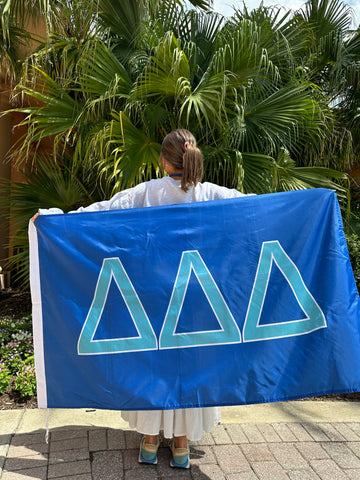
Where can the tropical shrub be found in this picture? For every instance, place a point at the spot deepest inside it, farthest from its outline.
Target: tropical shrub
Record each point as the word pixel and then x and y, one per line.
pixel 10 326
pixel 25 382
pixel 269 95
pixel 5 377
pixel 17 355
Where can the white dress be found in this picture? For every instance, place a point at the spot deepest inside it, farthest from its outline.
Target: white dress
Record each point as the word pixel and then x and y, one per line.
pixel 191 422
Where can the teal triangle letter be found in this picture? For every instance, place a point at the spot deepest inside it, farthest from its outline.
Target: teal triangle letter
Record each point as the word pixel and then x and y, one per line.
pixel 112 268
pixel 228 332
pixel 315 319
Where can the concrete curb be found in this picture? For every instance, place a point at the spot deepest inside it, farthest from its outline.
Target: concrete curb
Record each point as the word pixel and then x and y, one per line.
pixel 299 440
pixel 25 421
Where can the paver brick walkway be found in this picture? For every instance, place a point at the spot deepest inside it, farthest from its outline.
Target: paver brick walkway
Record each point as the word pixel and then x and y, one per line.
pixel 236 451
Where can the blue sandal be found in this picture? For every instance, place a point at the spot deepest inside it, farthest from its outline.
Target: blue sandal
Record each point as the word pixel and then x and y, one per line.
pixel 148 452
pixel 180 457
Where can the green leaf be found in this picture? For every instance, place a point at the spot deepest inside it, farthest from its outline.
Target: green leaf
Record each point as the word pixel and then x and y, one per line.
pixel 132 156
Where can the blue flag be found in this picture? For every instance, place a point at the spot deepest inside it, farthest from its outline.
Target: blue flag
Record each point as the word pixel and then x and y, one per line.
pixel 227 302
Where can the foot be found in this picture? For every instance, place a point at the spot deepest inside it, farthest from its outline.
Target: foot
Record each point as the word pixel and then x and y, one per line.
pixel 180 453
pixel 148 451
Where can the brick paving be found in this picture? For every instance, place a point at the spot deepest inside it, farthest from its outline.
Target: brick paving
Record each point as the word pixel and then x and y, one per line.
pixel 262 451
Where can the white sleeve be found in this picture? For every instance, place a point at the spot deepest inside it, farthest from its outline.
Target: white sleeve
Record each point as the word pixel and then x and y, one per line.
pixel 130 198
pixel 50 211
pixel 232 193
pixel 216 192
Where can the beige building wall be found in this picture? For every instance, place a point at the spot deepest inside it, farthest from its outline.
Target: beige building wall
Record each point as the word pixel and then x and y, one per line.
pixel 7 138
pixel 5 172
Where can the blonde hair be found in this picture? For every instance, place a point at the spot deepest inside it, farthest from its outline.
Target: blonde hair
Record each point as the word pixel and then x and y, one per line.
pixel 180 150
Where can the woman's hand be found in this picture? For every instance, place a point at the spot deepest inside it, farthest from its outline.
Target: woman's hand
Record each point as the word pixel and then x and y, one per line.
pixel 35 217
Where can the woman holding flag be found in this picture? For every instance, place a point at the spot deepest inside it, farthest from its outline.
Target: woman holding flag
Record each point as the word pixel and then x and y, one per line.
pixel 182 161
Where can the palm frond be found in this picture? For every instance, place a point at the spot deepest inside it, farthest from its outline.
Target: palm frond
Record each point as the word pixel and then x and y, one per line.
pixel 289 177
pixel 166 76
pixel 103 80
pixel 47 184
pixel 123 18
pixel 128 155
pixel 242 53
pixel 326 15
pixel 268 122
pixel 54 115
pixel 258 172
pixel 11 42
pixel 204 106
pixel 22 12
pixel 220 166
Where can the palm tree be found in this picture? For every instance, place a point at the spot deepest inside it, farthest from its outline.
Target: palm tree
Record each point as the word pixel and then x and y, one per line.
pixel 196 71
pixel 332 60
pixel 113 78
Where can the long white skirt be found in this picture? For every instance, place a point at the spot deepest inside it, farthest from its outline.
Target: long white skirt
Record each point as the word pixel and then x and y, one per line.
pixel 191 422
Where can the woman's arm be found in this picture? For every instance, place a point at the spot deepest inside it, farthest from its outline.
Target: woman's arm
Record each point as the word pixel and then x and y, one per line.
pixel 130 198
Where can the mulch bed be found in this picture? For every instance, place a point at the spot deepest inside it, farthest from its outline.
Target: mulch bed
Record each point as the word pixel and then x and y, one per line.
pixel 12 401
pixel 15 303
pixel 18 304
